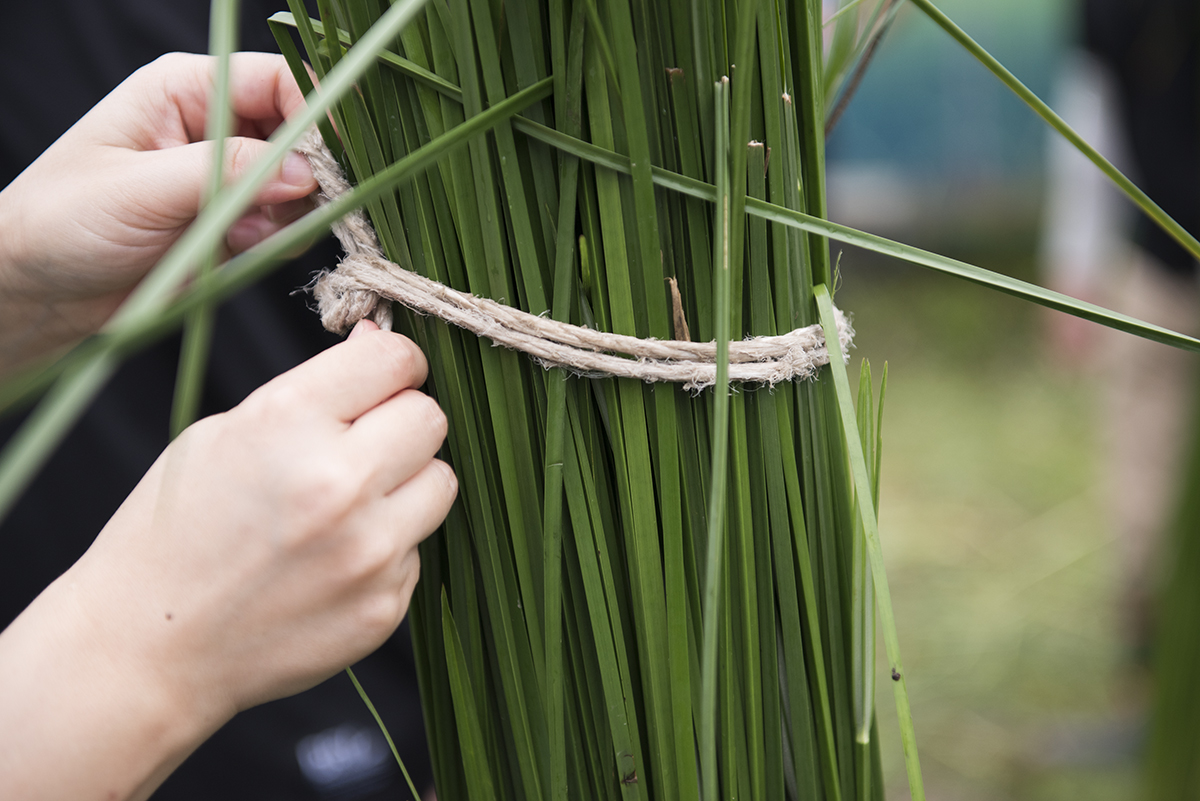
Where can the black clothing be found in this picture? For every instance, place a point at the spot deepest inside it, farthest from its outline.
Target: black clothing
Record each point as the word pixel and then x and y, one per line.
pixel 63 57
pixel 1153 49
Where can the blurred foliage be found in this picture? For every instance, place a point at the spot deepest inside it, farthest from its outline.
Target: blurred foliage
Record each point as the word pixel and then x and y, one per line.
pixel 1001 558
pixel 929 109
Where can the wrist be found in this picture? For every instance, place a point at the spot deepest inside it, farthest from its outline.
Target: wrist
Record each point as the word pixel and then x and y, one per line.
pixel 26 318
pixel 80 687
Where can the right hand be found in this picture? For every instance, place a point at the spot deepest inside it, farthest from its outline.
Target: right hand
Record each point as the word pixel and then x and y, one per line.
pixel 271 546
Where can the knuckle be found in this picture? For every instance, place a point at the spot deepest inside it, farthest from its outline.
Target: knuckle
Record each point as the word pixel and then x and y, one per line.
pixel 201 432
pixel 432 416
pixel 161 71
pixel 380 614
pixel 449 482
pixel 412 574
pixel 371 556
pixel 237 156
pixel 339 488
pixel 412 568
pixel 169 62
pixel 401 358
pixel 209 439
pixel 278 400
pixel 327 491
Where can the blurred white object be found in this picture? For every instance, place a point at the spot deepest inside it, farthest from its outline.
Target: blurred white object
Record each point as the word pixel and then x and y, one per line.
pixel 1086 219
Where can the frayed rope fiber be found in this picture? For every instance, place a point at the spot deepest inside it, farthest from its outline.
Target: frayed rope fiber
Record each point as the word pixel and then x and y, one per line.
pixel 365 282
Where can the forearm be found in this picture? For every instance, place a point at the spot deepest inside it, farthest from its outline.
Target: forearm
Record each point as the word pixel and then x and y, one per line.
pixel 83 714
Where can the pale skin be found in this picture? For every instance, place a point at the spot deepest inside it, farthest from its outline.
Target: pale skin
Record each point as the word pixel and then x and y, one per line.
pixel 268 547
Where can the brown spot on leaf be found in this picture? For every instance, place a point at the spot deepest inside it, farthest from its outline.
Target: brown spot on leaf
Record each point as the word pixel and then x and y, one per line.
pixel 682 334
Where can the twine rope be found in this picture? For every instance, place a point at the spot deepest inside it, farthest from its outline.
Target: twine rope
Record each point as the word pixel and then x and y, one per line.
pixel 365 282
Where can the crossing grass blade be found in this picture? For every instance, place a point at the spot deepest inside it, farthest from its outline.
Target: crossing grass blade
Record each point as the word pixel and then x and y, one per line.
pixel 863 483
pixel 715 546
pixel 197 330
pixel 1140 198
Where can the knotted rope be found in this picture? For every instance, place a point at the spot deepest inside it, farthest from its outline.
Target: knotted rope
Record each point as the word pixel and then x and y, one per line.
pixel 365 281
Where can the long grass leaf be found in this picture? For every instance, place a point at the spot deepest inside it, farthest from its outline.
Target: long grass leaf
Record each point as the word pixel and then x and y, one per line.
pixel 476 770
pixel 714 569
pixel 1140 198
pixel 878 244
pixel 387 735
pixel 197 331
pixel 866 512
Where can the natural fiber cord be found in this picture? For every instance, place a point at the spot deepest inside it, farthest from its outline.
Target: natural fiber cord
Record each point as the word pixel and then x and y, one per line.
pixel 365 282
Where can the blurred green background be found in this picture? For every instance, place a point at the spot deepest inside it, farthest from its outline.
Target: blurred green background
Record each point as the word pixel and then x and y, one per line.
pixel 1001 560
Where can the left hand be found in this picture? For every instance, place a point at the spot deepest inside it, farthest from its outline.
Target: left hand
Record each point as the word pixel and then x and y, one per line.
pixel 87 220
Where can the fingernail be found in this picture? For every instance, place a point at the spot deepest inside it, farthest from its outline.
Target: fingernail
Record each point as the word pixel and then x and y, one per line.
pixel 248 232
pixel 288 210
pixel 296 170
pixel 359 328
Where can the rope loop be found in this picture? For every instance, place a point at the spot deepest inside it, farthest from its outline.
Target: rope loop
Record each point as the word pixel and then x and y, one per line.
pixel 365 284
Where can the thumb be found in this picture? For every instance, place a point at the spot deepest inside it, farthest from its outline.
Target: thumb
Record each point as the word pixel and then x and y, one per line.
pixel 177 178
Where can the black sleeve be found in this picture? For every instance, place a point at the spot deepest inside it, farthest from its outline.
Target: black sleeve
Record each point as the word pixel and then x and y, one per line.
pixel 1152 46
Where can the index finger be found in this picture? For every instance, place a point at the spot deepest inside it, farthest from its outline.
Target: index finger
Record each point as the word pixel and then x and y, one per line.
pixel 261 87
pixel 263 93
pixel 355 376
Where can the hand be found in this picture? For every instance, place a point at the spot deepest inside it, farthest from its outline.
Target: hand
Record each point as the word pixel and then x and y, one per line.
pixel 87 220
pixel 275 544
pixel 267 548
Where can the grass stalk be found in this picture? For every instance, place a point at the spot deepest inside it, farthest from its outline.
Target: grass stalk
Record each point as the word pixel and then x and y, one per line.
pixel 715 548
pixel 866 510
pixel 387 735
pixel 197 329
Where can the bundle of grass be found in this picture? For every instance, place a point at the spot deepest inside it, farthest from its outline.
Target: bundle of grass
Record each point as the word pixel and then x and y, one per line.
pixel 644 591
pixel 633 567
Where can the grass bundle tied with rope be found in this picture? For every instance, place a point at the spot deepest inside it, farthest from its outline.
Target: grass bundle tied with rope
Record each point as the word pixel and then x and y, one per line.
pixel 647 590
pixel 654 585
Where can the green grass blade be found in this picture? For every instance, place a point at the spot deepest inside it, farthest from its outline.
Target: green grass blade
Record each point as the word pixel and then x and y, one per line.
pixel 862 612
pixel 197 330
pixel 878 244
pixel 569 89
pixel 841 12
pixel 1140 198
pixel 29 448
pixel 720 463
pixel 476 770
pixel 866 511
pixel 841 49
pixel 658 582
pixel 387 735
